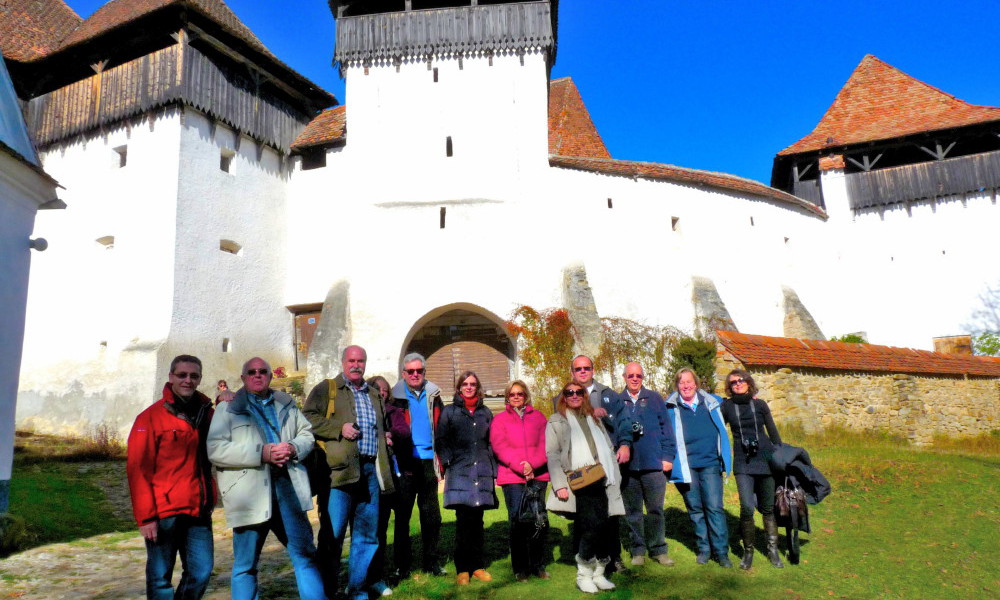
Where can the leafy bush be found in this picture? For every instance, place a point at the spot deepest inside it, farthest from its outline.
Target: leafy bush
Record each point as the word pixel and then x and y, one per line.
pixel 545 347
pixel 986 343
pixel 850 338
pixel 696 354
pixel 14 534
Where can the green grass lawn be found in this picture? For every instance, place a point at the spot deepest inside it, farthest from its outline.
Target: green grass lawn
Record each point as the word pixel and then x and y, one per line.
pixel 901 523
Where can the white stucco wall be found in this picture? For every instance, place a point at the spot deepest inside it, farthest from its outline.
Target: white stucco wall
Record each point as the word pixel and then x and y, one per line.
pixel 372 216
pixel 165 288
pixel 905 276
pixel 22 191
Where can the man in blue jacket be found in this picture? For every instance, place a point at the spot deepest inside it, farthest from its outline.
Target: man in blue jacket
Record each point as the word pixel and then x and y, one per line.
pixel 643 416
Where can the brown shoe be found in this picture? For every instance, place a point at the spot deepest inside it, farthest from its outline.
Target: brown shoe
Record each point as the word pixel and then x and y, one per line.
pixel 482 575
pixel 664 560
pixel 462 579
pixel 543 574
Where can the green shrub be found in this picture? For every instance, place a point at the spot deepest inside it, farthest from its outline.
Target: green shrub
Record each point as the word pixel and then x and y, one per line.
pixel 14 534
pixel 849 338
pixel 698 355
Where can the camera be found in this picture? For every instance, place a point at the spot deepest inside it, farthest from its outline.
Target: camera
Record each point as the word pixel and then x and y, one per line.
pixel 637 429
pixel 750 446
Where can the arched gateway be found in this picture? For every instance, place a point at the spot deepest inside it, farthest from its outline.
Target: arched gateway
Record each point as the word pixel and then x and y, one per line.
pixel 463 336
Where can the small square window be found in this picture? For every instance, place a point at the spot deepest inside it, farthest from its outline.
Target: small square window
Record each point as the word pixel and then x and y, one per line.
pixel 226 160
pixel 122 152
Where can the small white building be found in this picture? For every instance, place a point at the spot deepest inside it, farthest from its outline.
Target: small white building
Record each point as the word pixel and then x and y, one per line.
pixel 24 190
pixel 217 209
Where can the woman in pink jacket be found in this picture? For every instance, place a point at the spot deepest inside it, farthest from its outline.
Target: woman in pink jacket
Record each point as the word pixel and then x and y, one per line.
pixel 518 439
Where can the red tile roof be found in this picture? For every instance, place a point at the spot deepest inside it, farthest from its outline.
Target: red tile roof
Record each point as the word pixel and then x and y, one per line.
pixel 764 351
pixel 30 29
pixel 571 131
pixel 683 176
pixel 880 102
pixel 328 127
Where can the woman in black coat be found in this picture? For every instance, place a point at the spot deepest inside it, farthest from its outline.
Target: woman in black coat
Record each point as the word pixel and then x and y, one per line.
pixel 754 439
pixel 462 440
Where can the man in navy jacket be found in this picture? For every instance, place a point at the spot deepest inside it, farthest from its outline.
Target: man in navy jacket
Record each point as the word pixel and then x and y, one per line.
pixel 650 438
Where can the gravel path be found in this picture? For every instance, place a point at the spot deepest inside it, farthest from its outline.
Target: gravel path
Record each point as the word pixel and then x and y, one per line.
pixel 112 566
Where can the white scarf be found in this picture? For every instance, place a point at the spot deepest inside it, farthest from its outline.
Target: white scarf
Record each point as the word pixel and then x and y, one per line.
pixel 579 449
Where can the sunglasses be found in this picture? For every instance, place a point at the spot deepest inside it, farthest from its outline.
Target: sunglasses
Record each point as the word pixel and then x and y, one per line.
pixel 252 372
pixel 579 369
pixel 634 376
pixel 516 395
pixel 733 382
pixel 187 375
pixel 571 393
pixel 413 371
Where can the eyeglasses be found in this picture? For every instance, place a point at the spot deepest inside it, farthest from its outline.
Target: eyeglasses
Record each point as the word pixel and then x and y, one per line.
pixel 187 375
pixel 413 371
pixel 261 372
pixel 739 381
pixel 579 369
pixel 516 395
pixel 634 376
pixel 571 393
pixel 471 385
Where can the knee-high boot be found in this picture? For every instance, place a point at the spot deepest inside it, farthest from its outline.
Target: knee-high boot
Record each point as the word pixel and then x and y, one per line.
pixel 585 575
pixel 771 528
pixel 749 537
pixel 600 580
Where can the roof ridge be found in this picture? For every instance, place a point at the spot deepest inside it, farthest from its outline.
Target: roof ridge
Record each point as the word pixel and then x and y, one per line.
pixel 880 101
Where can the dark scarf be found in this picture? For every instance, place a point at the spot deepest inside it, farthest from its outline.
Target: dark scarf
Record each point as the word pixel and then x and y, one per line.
pixel 741 399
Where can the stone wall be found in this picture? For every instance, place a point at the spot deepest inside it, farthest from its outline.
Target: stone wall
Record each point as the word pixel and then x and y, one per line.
pixel 915 406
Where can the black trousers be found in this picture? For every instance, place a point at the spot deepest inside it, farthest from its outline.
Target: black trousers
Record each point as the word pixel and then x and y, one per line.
pixel 526 543
pixel 598 533
pixel 421 487
pixel 755 491
pixel 469 539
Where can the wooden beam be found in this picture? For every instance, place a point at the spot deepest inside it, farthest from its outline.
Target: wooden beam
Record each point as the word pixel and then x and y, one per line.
pixel 236 56
pixel 867 164
pixel 938 152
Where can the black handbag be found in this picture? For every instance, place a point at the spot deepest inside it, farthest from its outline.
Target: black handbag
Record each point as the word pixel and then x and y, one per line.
pixel 792 513
pixel 532 509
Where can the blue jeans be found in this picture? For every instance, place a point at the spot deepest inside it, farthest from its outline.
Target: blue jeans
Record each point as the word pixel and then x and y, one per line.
pixel 703 498
pixel 358 504
pixel 191 537
pixel 292 528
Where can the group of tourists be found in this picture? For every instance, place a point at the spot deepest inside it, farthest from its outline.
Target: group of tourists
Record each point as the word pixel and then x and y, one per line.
pixel 367 449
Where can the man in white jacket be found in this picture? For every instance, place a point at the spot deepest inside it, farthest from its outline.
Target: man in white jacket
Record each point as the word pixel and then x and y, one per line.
pixel 256 443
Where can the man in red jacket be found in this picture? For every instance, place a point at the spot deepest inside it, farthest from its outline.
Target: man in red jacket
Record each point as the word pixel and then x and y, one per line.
pixel 171 483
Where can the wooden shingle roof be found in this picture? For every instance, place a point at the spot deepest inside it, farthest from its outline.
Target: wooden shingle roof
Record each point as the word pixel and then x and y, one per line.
pixel 117 13
pixel 31 29
pixel 765 351
pixel 880 102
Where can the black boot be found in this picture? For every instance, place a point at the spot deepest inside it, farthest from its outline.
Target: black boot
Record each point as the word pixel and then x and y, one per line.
pixel 771 528
pixel 749 536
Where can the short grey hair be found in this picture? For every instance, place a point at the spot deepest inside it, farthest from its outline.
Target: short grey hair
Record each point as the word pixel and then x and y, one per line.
pixel 412 356
pixel 343 353
pixel 243 371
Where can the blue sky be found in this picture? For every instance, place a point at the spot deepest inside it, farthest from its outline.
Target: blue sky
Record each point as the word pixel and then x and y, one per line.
pixel 707 84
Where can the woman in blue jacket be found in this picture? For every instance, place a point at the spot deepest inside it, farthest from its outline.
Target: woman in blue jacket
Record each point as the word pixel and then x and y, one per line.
pixel 703 460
